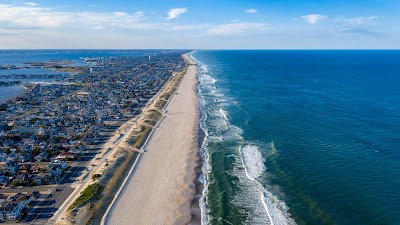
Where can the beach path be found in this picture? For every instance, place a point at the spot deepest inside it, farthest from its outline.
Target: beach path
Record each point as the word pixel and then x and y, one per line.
pixel 160 188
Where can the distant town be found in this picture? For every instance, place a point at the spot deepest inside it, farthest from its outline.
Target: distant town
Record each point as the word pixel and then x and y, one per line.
pixel 50 133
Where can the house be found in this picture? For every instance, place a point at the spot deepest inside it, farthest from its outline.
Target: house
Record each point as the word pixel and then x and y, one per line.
pixel 10 210
pixel 1 177
pixel 45 177
pixel 36 181
pixel 22 177
pixel 12 157
pixel 24 168
pixel 66 156
pixel 3 157
pixel 55 171
pixel 42 157
pixel 75 151
pixel 38 158
pixel 34 169
pixel 3 198
pixel 28 141
pixel 58 163
pixel 11 167
pixel 4 180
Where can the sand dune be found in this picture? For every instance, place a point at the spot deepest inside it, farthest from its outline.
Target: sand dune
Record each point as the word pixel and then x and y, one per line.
pixel 160 189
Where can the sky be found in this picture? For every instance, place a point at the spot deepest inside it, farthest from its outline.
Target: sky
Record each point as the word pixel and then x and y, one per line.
pixel 200 24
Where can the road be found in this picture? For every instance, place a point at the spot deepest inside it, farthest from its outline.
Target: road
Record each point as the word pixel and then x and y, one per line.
pixel 52 197
pixel 55 199
pixel 97 164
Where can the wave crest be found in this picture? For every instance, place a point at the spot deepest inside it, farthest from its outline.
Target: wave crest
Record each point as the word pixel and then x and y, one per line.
pixel 253 161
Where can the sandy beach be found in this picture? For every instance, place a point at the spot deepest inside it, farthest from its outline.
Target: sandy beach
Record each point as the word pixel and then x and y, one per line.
pixel 160 189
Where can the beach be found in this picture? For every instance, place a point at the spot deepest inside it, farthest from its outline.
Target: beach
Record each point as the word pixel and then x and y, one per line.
pixel 161 187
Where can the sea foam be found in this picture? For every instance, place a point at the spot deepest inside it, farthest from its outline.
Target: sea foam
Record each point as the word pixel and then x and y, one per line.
pixel 253 161
pixel 261 206
pixel 203 178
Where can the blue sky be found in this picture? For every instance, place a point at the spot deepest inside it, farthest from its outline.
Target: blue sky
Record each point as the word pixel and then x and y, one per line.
pixel 201 24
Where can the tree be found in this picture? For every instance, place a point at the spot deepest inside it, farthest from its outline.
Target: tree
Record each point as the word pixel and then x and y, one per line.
pixel 36 150
pixel 16 183
pixel 3 107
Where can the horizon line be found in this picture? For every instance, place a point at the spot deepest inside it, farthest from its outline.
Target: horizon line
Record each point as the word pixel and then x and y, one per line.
pixel 192 49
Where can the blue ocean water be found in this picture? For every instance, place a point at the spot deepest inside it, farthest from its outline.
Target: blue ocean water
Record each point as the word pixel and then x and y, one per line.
pixel 10 92
pixel 301 137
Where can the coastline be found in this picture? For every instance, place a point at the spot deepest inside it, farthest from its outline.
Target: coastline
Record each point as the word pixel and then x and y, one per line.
pixel 164 185
pixel 117 164
pixel 14 96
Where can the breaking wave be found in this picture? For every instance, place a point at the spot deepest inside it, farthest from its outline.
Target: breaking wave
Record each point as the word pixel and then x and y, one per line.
pixel 260 205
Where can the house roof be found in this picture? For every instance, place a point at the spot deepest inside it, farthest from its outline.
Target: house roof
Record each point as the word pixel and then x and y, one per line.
pixel 24 167
pixel 67 154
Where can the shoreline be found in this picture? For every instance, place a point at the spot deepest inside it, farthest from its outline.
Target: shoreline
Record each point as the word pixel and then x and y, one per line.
pixel 168 192
pixel 196 210
pixel 199 186
pixel 122 159
pixel 22 92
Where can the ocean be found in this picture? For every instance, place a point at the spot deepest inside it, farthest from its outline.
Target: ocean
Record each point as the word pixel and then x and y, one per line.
pixel 300 137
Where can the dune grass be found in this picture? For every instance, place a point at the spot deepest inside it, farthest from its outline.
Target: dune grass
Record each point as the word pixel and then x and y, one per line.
pixel 85 196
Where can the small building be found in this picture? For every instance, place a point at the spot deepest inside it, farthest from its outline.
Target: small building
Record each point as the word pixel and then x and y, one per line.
pixel 10 209
pixel 66 156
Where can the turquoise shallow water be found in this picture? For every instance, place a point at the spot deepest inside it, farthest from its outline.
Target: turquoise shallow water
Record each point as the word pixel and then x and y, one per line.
pixel 306 137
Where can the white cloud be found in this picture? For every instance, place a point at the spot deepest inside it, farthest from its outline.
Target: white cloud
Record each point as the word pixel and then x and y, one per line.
pixel 174 13
pixel 120 14
pixel 31 4
pixel 47 18
pixel 251 11
pixel 356 20
pixel 313 18
pixel 237 28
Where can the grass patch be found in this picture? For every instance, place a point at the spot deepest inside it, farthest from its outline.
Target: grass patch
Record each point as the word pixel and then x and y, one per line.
pixel 78 69
pixel 142 136
pixel 167 96
pixel 153 118
pixel 112 182
pixel 161 103
pixel 85 196
pixel 132 140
